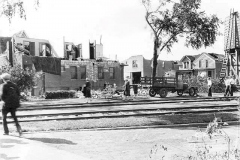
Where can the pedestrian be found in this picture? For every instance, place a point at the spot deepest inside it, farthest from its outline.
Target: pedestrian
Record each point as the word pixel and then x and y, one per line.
pixel 228 88
pixel 84 90
pixel 10 95
pixel 209 83
pixel 232 85
pixel 127 88
pixel 87 88
pixel 135 89
pixel 105 85
pixel 115 91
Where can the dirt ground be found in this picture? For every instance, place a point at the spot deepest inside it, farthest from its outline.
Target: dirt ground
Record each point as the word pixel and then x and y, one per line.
pixel 138 144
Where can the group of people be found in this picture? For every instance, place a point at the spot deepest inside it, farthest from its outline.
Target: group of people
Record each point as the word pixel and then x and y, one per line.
pixel 86 88
pixel 10 101
pixel 229 81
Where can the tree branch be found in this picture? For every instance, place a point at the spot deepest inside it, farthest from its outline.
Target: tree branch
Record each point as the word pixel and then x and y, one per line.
pixel 165 44
pixel 146 17
pixel 158 34
pixel 162 4
pixel 145 6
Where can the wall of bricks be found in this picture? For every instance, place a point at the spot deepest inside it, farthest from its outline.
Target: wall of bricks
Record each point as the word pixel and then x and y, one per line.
pixel 64 81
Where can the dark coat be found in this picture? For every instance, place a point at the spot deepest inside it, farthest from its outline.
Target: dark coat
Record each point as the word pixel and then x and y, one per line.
pixel 88 89
pixel 127 88
pixel 10 94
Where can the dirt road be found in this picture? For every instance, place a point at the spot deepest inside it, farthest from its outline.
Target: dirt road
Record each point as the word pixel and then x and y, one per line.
pixel 134 144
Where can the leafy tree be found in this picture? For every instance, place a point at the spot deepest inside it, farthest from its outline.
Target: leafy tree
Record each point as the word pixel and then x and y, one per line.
pixel 24 79
pixel 9 8
pixel 170 21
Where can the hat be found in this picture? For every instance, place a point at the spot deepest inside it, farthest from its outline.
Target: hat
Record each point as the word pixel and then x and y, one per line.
pixel 6 76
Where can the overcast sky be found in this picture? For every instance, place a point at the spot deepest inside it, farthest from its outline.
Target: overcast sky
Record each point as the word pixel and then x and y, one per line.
pixel 121 24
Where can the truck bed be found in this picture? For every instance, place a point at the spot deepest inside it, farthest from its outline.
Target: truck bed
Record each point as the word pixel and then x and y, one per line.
pixel 166 82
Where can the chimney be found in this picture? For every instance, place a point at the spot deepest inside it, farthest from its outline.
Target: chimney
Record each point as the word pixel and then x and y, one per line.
pixel 92 50
pixel 80 50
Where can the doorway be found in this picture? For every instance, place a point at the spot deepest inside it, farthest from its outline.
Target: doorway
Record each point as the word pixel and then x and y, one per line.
pixel 136 77
pixel 210 74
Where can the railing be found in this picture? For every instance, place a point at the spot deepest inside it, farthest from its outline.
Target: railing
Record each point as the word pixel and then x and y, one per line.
pixel 146 81
pixel 159 81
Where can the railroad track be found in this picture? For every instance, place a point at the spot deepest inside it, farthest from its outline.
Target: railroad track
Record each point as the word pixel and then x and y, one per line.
pixel 49 106
pixel 124 109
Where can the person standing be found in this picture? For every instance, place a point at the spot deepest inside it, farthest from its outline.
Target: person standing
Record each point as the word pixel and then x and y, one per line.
pixel 115 91
pixel 135 89
pixel 127 88
pixel 87 88
pixel 209 82
pixel 84 90
pixel 105 85
pixel 10 95
pixel 232 85
pixel 228 88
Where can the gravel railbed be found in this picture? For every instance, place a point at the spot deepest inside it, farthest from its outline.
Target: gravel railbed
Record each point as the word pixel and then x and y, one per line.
pixel 125 122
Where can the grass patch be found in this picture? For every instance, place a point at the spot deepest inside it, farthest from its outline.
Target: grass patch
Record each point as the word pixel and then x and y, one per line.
pixel 196 118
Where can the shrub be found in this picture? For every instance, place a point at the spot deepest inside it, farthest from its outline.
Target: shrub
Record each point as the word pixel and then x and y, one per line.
pixel 24 79
pixel 217 86
pixel 201 83
pixel 61 94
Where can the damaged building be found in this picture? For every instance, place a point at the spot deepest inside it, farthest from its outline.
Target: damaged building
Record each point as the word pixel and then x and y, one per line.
pixel 60 73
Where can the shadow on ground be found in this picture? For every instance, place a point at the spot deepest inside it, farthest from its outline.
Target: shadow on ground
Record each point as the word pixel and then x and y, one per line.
pixel 53 140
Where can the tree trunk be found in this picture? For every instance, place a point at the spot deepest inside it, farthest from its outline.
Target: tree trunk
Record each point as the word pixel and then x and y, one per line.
pixel 155 57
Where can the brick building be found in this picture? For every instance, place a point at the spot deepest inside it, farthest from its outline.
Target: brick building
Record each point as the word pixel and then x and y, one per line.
pixel 67 73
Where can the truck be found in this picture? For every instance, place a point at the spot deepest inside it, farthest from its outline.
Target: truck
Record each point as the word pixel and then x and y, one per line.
pixel 163 85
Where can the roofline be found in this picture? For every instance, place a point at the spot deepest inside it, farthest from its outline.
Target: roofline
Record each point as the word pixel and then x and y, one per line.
pixel 207 55
pixel 184 57
pixel 32 38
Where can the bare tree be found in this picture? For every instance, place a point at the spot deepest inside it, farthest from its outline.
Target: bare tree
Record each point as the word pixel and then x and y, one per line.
pixel 171 20
pixel 9 8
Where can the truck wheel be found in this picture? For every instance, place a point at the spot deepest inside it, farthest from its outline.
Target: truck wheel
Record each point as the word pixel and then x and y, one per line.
pixel 163 92
pixel 191 92
pixel 152 93
pixel 180 93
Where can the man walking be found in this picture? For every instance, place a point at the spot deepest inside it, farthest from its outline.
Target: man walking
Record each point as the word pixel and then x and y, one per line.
pixel 9 94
